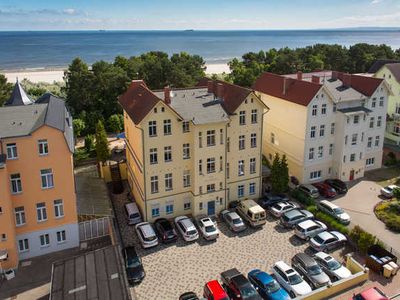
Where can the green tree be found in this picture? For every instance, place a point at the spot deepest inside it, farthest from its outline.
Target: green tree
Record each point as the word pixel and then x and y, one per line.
pixel 5 89
pixel 102 150
pixel 116 123
pixel 89 142
pixel 275 175
pixel 79 126
pixel 284 176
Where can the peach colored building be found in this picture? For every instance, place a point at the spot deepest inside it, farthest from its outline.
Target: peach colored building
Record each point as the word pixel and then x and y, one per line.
pixel 37 190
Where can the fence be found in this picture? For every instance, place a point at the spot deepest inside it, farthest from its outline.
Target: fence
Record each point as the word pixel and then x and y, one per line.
pixel 95 228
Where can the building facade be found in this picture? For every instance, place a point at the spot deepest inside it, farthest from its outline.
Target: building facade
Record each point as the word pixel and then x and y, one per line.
pixel 328 124
pixel 37 194
pixel 192 151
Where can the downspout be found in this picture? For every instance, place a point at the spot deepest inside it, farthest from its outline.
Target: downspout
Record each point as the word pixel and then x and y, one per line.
pixel 261 149
pixel 144 173
pixel 226 161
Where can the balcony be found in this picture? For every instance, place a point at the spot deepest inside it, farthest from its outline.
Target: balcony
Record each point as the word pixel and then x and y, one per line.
pixel 3 159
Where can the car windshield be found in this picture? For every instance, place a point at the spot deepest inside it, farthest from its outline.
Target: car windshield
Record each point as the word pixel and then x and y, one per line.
pixel 295 279
pixel 333 264
pixel 388 188
pixel 338 210
pixel 236 221
pixel 314 270
pixel 133 262
pixel 272 287
pixel 210 228
pixel 191 232
pixel 318 239
pixel 248 291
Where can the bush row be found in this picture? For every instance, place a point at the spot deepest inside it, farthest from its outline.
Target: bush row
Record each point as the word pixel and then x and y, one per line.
pixel 363 239
pixel 389 213
pixel 302 198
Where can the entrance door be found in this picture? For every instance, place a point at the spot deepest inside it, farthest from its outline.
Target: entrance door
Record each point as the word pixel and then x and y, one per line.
pixel 211 208
pixel 351 174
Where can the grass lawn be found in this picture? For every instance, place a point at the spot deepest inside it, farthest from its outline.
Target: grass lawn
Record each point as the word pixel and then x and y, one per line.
pixel 384 176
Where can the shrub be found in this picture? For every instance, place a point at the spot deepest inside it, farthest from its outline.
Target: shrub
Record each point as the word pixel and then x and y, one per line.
pixel 312 208
pixel 302 198
pixel 79 126
pixel 389 213
pixel 331 222
pixel 116 123
pixel 363 239
pixel 89 142
pixel 396 193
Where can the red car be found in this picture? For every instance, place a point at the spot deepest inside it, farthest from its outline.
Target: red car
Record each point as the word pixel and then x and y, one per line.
pixel 214 291
pixel 371 294
pixel 325 190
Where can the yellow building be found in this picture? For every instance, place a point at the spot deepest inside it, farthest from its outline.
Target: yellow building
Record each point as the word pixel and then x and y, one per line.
pixel 37 191
pixel 193 150
pixel 329 124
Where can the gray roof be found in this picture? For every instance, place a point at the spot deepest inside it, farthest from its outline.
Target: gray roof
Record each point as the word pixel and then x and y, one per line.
pixel 197 105
pixel 97 274
pixel 18 96
pixel 380 63
pixel 355 109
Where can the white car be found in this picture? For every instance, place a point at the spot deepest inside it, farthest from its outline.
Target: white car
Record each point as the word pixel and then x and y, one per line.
pixel 186 228
pixel 290 280
pixel 146 234
pixel 331 266
pixel 327 240
pixel 207 228
pixel 308 229
pixel 278 209
pixel 387 191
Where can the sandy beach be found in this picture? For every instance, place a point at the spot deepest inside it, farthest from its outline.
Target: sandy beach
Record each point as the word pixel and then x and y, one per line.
pixel 51 75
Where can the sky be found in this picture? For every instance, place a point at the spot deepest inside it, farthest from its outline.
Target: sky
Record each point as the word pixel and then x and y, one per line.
pixel 199 14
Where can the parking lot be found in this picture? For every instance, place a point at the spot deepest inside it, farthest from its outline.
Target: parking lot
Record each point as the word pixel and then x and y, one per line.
pixel 177 268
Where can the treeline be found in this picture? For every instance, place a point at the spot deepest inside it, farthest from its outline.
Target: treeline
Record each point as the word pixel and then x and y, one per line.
pixel 354 59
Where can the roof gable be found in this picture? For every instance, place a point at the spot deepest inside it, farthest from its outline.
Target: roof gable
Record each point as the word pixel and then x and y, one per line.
pixel 365 85
pixel 18 96
pixel 395 70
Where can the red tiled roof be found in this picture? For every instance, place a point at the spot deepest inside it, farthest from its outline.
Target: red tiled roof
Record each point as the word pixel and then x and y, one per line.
pixel 297 91
pixel 365 85
pixel 138 100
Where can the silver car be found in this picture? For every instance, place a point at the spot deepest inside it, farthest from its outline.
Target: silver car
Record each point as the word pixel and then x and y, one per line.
pixel 328 240
pixel 308 229
pixel 331 266
pixel 233 220
pixel 312 272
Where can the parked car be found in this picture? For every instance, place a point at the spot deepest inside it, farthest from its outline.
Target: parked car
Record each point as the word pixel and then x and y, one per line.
pixel 188 296
pixel 387 191
pixel 335 211
pixel 165 230
pixel 293 217
pixel 267 286
pixel 327 240
pixel 186 228
pixel 325 190
pixel 253 213
pixel 339 186
pixel 233 204
pixel 331 266
pixel 207 228
pixel 238 286
pixel 290 280
pixel 270 199
pixel 309 268
pixel 233 220
pixel 146 234
pixel 309 190
pixel 214 291
pixel 278 209
pixel 309 228
pixel 371 294
pixel 133 266
pixel 133 213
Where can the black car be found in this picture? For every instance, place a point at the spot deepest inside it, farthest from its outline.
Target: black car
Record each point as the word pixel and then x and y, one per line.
pixel 233 204
pixel 238 286
pixel 338 185
pixel 133 265
pixel 188 296
pixel 272 199
pixel 165 230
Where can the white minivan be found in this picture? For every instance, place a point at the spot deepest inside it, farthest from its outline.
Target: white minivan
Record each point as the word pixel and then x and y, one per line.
pixel 133 213
pixel 253 213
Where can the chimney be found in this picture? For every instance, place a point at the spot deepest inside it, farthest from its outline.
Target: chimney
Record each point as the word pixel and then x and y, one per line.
pixel 346 80
pixel 315 79
pixel 340 76
pixel 220 91
pixel 299 75
pixel 335 75
pixel 167 95
pixel 210 86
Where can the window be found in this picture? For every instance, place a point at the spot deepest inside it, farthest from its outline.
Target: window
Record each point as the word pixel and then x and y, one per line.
pixel 3 237
pixel 200 205
pixel 240 191
pixel 41 212
pixel 186 178
pixel 12 151
pixel 379 122
pixel 200 167
pixel 397 108
pixel 272 138
pixel 254 114
pixel 373 103
pixel 314 110
pixel 155 212
pixel 369 144
pixel 330 149
pixel 370 161
pixel 334 107
pixel 228 145
pixel 227 170
pixel 356 119
pixel 241 168
pixel 221 162
pixel 211 165
pixel 16 183
pixel 252 188
pixel 43 147
pixel 221 136
pixel 322 130
pixel 152 128
pixel 252 165
pixel 315 175
pixel 352 157
pixel 155 110
pixel 253 140
pixel 242 117
pixel 311 154
pixel 47 178
pixel 377 141
pixel 210 138
pixel 167 153
pixel 312 132
pixel 345 140
pixel 333 128
pixel 200 190
pixel 371 122
pixel 200 140
pixel 44 240
pixel 58 208
pixel 186 151
pixel 186 205
pixel 61 236
pixel 323 109
pixel 168 181
pixel 167 127
pixel 185 126
pixel 241 142
pixel 344 158
pixel 210 188
pixel 153 156
pixel 362 137
pixel 19 216
pixel 361 155
pixel 169 209
pixel 354 139
pixel 381 101
pixel 23 245
pixel 154 184
pixel 320 151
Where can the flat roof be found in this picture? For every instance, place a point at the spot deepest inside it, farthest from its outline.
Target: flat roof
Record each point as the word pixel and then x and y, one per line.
pixel 96 274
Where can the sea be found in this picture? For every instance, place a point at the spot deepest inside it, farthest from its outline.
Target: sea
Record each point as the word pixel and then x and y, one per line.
pixel 56 49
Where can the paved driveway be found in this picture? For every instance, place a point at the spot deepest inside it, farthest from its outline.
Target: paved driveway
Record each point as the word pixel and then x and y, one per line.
pixel 359 202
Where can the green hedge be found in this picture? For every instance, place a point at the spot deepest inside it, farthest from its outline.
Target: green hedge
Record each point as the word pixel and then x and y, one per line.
pixel 331 222
pixel 302 198
pixel 363 239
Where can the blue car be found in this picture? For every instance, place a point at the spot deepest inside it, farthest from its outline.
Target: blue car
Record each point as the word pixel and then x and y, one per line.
pixel 267 286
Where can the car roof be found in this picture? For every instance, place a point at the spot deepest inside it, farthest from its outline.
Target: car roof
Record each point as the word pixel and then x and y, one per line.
pixel 130 251
pixel 372 294
pixel 263 276
pixel 324 256
pixel 146 229
pixel 207 221
pixel 306 224
pixel 326 235
pixel 330 204
pixel 283 266
pixel 240 280
pixel 309 186
pixel 292 213
pixel 308 260
pixel 187 223
pixel 216 288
